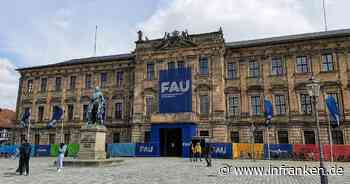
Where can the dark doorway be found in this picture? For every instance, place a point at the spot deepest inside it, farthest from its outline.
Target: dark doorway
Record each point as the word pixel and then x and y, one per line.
pixel 170 142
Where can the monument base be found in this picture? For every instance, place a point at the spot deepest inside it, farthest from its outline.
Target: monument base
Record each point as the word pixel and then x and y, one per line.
pixel 92 142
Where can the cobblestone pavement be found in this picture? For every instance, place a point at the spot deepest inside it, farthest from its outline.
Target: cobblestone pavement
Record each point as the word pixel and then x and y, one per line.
pixel 157 170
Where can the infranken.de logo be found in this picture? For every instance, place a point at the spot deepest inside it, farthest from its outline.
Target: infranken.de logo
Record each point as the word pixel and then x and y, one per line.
pixel 175 86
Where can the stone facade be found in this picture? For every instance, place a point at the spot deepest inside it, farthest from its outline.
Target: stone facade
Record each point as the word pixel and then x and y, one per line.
pixel 235 77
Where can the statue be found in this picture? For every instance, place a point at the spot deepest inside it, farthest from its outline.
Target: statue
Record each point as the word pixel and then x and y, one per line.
pixel 140 35
pixel 96 108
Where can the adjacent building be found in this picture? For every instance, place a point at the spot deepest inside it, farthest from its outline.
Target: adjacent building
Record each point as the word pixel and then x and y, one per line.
pixel 229 81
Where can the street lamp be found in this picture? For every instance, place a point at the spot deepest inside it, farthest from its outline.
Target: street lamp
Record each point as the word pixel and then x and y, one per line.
pixel 314 92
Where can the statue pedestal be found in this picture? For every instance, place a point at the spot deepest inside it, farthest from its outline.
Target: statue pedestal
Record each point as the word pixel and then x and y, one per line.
pixel 92 142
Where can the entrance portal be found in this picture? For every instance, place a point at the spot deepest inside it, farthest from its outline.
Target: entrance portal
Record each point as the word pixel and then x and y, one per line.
pixel 170 141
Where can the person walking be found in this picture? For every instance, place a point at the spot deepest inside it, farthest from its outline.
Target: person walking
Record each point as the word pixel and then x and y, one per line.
pixel 61 152
pixel 24 156
pixel 208 156
pixel 192 152
pixel 198 151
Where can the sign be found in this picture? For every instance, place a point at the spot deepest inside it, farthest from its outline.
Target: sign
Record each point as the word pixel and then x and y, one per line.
pixel 175 90
pixel 221 150
pixel 42 150
pixel 147 149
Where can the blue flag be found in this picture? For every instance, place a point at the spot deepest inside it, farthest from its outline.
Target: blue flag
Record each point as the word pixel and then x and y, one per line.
pixel 24 119
pixel 268 110
pixel 57 115
pixel 333 110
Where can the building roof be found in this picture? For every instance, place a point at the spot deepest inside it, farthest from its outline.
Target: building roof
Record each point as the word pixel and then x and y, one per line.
pixel 289 38
pixel 238 44
pixel 88 60
pixel 7 118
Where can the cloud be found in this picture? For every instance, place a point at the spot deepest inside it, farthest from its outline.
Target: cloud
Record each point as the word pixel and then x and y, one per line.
pixel 8 84
pixel 240 19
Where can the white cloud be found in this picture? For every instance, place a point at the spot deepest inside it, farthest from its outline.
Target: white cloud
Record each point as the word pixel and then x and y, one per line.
pixel 8 84
pixel 240 19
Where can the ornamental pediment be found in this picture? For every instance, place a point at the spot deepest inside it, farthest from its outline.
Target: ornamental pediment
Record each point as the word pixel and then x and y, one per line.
pixel 175 40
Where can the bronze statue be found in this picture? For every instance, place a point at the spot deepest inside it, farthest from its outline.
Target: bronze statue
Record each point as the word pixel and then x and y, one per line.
pixel 96 109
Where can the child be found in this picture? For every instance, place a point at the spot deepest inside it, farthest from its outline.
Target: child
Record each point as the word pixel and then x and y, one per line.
pixel 61 152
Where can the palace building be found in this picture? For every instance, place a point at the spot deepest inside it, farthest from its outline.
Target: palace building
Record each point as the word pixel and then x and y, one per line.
pixel 171 89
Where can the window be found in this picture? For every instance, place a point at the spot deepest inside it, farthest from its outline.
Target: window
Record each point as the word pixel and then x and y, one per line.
pixel 203 66
pixel 337 137
pixel 305 104
pixel 276 66
pixel 180 64
pixel 116 137
pixel 119 78
pixel 70 112
pixel 118 110
pixel 37 139
pixel 88 82
pixel 147 136
pixel 254 69
pixel 72 82
pixel 204 104
pixel 231 71
pixel 302 64
pixel 103 80
pixel 255 105
pixel 30 86
pixel 171 65
pixel 85 110
pixel 204 133
pixel 52 138
pixel 149 105
pixel 233 105
pixel 66 138
pixel 258 136
pixel 280 104
pixel 309 137
pixel 235 137
pixel 40 113
pixel 327 62
pixel 58 84
pixel 43 86
pixel 283 137
pixel 150 71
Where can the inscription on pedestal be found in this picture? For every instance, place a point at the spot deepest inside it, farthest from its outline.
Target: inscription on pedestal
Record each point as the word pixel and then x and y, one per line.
pixel 92 143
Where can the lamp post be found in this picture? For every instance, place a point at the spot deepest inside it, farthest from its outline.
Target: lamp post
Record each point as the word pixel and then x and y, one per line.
pixel 314 92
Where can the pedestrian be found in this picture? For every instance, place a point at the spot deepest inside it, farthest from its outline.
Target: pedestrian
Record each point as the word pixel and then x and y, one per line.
pixel 198 151
pixel 192 152
pixel 208 156
pixel 61 152
pixel 24 156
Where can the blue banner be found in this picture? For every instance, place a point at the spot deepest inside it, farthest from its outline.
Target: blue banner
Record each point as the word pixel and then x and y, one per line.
pixel 175 90
pixel 221 150
pixel 333 110
pixel 121 150
pixel 147 149
pixel 43 150
pixel 278 151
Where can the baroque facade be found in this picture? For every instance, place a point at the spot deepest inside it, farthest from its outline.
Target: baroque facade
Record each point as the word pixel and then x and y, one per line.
pixel 229 83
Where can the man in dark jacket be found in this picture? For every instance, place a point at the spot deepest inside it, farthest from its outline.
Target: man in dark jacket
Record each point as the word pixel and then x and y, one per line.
pixel 24 155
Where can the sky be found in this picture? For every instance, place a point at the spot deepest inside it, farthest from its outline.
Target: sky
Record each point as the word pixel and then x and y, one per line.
pixel 49 31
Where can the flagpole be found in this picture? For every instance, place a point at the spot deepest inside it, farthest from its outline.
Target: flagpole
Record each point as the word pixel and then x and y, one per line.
pixel 62 127
pixel 268 142
pixel 330 139
pixel 28 130
pixel 330 134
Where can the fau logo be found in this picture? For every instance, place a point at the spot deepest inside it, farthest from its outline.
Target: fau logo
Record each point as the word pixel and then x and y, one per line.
pixel 148 149
pixel 175 86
